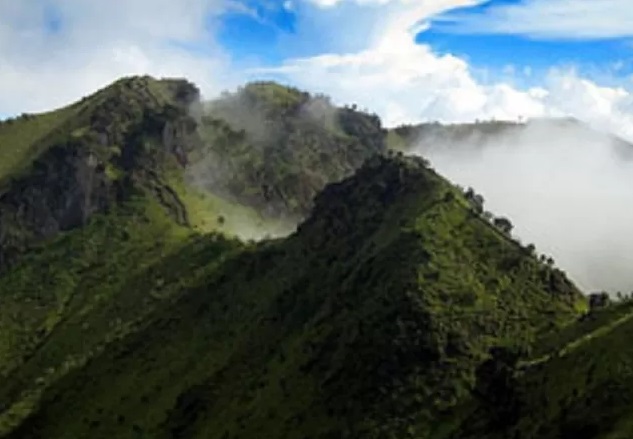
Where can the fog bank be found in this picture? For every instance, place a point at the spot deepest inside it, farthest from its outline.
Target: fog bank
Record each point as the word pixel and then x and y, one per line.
pixel 567 189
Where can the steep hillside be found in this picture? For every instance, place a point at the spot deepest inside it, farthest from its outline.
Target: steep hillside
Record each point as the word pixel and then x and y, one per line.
pixel 581 389
pixel 205 166
pixel 370 321
pixel 108 148
pixel 275 147
pixel 67 300
pixel 102 206
pixel 397 308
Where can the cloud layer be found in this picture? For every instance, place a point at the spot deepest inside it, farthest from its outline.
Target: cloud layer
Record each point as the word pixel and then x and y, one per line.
pixel 566 189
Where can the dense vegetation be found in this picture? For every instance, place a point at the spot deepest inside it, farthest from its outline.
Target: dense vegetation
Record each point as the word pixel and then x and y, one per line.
pixel 398 307
pixel 275 147
pixel 370 319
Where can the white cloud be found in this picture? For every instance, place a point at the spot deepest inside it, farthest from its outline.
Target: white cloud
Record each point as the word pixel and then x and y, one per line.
pixel 331 3
pixel 410 84
pixel 98 42
pixel 565 19
pixel 405 82
pixel 565 188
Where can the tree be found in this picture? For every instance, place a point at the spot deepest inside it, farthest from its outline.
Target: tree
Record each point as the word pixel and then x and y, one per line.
pixel 599 300
pixel 476 200
pixel 503 224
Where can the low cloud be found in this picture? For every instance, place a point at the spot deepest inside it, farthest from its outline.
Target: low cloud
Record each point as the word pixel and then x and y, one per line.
pixel 566 188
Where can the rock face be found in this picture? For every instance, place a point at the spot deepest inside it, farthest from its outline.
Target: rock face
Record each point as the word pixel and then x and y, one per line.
pixel 112 148
pixel 68 184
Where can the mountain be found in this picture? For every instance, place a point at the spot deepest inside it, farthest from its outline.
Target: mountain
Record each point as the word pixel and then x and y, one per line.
pixel 369 320
pixel 275 147
pixel 97 197
pixel 388 304
pixel 144 134
pixel 575 384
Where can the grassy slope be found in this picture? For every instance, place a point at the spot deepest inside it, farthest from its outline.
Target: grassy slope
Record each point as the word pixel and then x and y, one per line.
pixel 121 128
pixel 576 382
pixel 23 139
pixel 372 319
pixel 65 302
pixel 344 327
pixel 68 298
pixel 583 392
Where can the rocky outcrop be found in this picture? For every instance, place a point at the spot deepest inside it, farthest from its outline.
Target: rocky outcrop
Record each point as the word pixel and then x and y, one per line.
pixel 124 136
pixel 66 186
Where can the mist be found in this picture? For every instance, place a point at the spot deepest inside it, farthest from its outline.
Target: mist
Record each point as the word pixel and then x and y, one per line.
pixel 566 188
pixel 259 130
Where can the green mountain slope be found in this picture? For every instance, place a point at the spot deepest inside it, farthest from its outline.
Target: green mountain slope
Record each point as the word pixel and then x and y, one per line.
pixel 97 157
pixel 23 137
pixel 101 211
pixel 395 309
pixel 580 390
pixel 275 147
pixel 370 321
pixel 208 171
pixel 66 302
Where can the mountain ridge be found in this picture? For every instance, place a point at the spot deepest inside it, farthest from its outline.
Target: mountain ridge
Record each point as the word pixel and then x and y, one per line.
pixel 392 304
pixel 382 364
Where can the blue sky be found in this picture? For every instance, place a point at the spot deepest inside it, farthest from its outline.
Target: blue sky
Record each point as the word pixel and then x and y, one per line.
pixel 257 33
pixel 265 31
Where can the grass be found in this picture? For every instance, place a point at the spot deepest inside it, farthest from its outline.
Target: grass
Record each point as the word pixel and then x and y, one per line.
pixel 342 327
pixel 591 325
pixel 24 138
pixel 373 319
pixel 72 298
pixel 209 212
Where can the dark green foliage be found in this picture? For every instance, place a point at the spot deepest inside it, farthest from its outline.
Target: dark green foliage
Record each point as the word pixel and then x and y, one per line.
pixel 582 391
pixel 399 308
pixel 598 300
pixel 475 199
pixel 275 148
pixel 370 321
pixel 503 224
